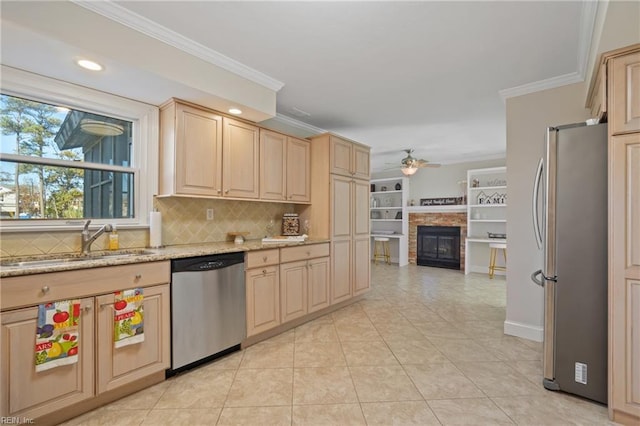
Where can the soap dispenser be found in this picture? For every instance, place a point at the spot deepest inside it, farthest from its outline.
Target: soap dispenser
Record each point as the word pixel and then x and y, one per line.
pixel 114 244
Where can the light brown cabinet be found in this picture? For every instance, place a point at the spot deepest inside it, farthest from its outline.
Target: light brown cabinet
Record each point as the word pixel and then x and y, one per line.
pixel 304 280
pixel 624 234
pixel 240 159
pixel 348 158
pixel 263 299
pixel 285 165
pixel 190 151
pixel 100 367
pixel 28 394
pixel 340 211
pixel 119 366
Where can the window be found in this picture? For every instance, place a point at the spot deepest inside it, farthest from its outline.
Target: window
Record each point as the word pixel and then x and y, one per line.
pixel 70 153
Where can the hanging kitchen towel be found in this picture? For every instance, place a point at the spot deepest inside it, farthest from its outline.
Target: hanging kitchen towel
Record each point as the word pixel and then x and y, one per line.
pixel 128 317
pixel 57 334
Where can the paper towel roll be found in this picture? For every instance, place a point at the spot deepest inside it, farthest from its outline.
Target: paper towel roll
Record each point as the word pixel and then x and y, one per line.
pixel 155 229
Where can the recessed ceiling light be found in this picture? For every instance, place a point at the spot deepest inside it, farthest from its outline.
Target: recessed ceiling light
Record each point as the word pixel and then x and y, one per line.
pixel 89 65
pixel 235 111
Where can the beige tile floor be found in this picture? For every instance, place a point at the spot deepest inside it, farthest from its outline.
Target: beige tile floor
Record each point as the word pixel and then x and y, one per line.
pixel 425 347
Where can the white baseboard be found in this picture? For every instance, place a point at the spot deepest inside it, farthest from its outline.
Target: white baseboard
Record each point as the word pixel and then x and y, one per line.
pixel 525 331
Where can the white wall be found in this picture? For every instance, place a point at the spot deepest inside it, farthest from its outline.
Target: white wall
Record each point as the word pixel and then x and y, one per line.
pixel 527 119
pixel 441 181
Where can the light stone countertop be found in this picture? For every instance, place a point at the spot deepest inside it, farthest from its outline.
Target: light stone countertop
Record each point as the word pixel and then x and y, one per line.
pixel 72 261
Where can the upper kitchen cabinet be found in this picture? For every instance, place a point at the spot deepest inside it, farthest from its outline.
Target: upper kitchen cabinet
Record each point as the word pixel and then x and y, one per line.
pixel 285 168
pixel 625 93
pixel 349 158
pixel 240 159
pixel 190 151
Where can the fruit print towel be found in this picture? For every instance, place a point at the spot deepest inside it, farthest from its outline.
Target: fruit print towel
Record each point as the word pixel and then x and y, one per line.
pixel 57 334
pixel 128 317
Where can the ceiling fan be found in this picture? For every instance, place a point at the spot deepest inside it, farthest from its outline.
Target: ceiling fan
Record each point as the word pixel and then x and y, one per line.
pixel 409 165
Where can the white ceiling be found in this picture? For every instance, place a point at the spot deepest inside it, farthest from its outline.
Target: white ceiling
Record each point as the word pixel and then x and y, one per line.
pixel 392 75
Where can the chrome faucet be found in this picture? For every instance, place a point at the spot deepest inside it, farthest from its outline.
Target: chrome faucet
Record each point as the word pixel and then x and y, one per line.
pixel 88 239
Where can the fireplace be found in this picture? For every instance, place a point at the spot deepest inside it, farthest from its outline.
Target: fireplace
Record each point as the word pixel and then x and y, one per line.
pixel 438 246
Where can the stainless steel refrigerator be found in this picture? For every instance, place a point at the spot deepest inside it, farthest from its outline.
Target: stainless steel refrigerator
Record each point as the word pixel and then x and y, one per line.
pixel 570 223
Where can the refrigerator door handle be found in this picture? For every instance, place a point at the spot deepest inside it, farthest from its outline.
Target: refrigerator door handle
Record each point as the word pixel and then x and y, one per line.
pixel 534 205
pixel 535 279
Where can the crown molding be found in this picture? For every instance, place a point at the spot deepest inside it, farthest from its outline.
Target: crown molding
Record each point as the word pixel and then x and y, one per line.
pixel 139 23
pixel 586 29
pixel 585 37
pixel 537 86
pixel 283 119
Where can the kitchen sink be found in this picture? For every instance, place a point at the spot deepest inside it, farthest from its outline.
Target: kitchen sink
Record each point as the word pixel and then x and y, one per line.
pixel 74 258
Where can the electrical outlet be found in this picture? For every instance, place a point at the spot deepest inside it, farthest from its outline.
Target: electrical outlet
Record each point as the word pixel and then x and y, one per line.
pixel 209 214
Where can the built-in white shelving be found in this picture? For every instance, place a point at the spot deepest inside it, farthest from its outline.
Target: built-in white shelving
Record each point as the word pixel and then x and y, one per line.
pixel 486 213
pixel 389 216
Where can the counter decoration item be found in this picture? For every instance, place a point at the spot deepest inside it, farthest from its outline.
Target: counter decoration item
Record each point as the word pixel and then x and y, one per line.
pixel 238 237
pixel 128 317
pixel 290 224
pixel 57 334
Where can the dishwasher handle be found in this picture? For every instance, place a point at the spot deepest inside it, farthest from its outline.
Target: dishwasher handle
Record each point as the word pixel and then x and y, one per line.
pixel 206 263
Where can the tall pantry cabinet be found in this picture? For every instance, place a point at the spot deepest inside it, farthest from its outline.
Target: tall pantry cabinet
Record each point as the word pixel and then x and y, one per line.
pixel 624 236
pixel 617 93
pixel 339 211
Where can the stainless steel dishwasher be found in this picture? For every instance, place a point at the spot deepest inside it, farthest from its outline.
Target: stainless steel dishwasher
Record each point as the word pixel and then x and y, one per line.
pixel 207 308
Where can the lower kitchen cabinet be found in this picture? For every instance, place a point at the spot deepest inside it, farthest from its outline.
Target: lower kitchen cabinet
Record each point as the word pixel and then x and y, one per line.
pixel 100 367
pixel 120 366
pixel 30 394
pixel 361 265
pixel 304 287
pixel 293 290
pixel 318 284
pixel 263 299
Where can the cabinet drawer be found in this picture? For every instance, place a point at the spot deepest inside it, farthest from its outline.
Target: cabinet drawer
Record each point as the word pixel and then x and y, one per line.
pixel 41 288
pixel 256 259
pixel 292 254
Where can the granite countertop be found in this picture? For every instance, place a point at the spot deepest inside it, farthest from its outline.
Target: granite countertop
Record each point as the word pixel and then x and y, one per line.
pixel 66 262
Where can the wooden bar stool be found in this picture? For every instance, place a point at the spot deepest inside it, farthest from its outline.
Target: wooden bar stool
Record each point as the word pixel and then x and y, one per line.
pixel 381 250
pixel 492 258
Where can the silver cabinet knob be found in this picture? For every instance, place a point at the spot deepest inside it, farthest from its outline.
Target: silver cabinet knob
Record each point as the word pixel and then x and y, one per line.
pixel 45 289
pixel 264 272
pixel 87 308
pixel 226 191
pixel 138 277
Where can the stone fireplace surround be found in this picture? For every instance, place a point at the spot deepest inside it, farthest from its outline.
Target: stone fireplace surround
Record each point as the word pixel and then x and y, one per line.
pixel 436 219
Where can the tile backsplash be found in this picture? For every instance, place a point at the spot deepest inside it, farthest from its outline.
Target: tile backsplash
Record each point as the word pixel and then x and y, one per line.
pixel 183 222
pixel 184 219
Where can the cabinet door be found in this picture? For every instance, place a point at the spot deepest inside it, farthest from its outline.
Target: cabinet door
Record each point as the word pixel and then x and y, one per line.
pixel 341 207
pixel 361 265
pixel 273 165
pixel 361 208
pixel 28 394
pixel 361 168
pixel 318 285
pixel 263 299
pixel 298 170
pixel 624 278
pixel 119 366
pixel 198 153
pixel 293 290
pixel 340 270
pixel 340 154
pixel 625 94
pixel 240 159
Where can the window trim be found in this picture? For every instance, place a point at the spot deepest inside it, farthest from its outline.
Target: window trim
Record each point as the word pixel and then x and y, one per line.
pixel 144 155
